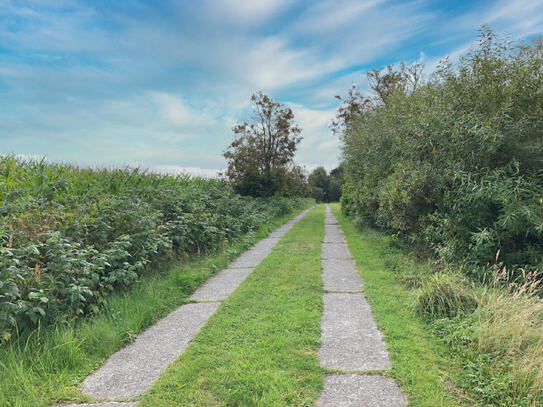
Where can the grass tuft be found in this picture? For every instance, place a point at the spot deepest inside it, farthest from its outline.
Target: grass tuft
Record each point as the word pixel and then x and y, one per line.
pixel 443 295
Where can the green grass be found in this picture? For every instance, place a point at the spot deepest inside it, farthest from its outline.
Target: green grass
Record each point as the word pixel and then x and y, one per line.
pixel 49 365
pixel 260 348
pixel 421 364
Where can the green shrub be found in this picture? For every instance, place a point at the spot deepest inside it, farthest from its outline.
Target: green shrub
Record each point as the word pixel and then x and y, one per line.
pixel 499 344
pixel 453 163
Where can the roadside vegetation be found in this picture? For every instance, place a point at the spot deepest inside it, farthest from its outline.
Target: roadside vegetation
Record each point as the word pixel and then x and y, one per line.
pixel 70 237
pixel 453 164
pixel 452 341
pixel 421 362
pixel 458 200
pixel 260 347
pixel 48 364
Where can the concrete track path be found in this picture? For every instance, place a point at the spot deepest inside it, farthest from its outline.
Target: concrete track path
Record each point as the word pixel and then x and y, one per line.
pixel 352 347
pixel 351 343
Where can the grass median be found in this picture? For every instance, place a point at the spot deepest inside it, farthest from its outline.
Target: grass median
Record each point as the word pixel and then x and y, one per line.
pixel 260 348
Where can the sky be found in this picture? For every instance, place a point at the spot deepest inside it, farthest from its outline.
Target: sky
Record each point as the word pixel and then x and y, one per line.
pixel 160 84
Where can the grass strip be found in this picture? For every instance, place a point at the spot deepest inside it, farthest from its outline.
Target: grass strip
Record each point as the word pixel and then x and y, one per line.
pixel 420 363
pixel 260 348
pixel 49 365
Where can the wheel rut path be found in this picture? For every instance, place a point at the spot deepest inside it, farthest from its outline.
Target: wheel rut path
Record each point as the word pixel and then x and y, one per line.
pixel 131 371
pixel 351 342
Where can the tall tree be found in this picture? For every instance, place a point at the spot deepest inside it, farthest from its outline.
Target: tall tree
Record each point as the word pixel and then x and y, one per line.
pixel 261 155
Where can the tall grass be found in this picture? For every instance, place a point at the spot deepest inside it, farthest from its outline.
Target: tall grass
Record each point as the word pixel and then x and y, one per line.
pixel 443 295
pixel 498 337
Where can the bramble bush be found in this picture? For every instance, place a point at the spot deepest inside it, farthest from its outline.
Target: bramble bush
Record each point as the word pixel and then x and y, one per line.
pixel 454 163
pixel 69 237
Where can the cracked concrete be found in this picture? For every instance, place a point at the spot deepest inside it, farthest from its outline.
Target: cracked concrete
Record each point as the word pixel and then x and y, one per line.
pixel 339 275
pixel 220 286
pixel 133 369
pixel 337 251
pixel 350 338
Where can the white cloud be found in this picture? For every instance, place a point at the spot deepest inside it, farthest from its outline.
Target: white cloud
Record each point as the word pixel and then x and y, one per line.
pixel 271 64
pixel 340 86
pixel 247 11
pixel 522 17
pixel 326 16
pixel 164 85
pixel 369 30
pixel 319 146
pixel 175 111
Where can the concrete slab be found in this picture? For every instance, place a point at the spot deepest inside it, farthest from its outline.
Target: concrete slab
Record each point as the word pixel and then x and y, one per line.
pixel 276 234
pixel 221 285
pixel 340 275
pixel 332 226
pixel 333 236
pixel 132 370
pixel 332 229
pixel 335 251
pixel 249 259
pixel 361 391
pixel 266 244
pixel 350 339
pixel 106 404
pixel 253 256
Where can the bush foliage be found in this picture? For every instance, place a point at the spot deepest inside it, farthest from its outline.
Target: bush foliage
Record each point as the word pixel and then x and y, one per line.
pixel 453 163
pixel 69 236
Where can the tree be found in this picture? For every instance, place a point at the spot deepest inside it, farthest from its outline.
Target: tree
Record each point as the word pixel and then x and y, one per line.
pixel 324 187
pixel 384 83
pixel 319 182
pixel 261 156
pixel 336 182
pixel 453 162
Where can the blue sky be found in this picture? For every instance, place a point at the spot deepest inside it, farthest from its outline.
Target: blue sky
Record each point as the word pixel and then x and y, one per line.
pixel 161 83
